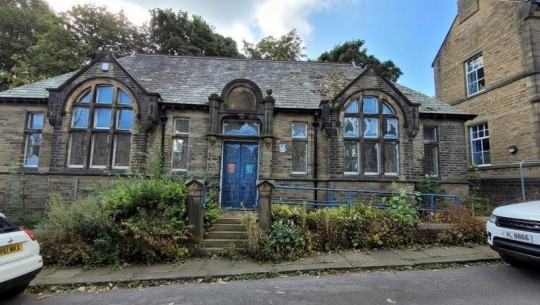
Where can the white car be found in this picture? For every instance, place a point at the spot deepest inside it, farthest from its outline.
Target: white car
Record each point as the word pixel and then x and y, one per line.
pixel 514 231
pixel 20 261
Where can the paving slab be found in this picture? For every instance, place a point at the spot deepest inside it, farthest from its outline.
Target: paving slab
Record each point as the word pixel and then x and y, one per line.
pixel 437 252
pixel 65 273
pixel 221 267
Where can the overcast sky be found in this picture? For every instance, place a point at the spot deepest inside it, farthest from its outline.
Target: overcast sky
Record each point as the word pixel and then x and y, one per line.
pixel 407 32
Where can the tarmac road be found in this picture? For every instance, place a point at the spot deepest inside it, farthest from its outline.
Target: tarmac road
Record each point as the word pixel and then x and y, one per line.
pixel 495 284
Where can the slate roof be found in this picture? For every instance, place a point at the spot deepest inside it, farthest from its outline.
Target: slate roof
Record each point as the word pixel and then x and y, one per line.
pixel 190 80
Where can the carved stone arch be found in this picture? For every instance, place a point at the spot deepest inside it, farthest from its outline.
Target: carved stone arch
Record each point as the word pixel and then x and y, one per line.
pixel 74 94
pixel 242 95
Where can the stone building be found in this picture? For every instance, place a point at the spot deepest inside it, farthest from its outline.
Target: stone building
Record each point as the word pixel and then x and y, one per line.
pixel 489 65
pixel 233 121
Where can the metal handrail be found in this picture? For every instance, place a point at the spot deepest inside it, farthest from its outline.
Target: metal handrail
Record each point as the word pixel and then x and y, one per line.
pixel 347 200
pixel 521 175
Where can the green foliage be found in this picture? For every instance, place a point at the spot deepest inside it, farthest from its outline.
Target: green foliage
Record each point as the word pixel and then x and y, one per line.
pixel 211 211
pixel 400 208
pixel 138 220
pixel 179 34
pixel 20 24
pixel 352 51
pixel 282 242
pixel 230 252
pixel 286 47
pixel 429 185
pixel 474 201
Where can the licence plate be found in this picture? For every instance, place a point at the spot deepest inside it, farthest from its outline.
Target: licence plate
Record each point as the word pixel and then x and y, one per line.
pixel 5 250
pixel 523 237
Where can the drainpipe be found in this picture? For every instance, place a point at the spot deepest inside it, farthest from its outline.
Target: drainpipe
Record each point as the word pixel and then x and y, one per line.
pixel 315 125
pixel 163 123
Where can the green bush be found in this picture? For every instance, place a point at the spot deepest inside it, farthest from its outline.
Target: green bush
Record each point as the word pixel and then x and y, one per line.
pixel 211 211
pixel 282 242
pixel 138 220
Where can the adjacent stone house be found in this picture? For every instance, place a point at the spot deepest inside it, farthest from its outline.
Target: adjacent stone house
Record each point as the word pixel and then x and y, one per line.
pixel 489 65
pixel 233 121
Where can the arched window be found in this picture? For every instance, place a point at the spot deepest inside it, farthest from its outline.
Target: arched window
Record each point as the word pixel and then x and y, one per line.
pixel 100 128
pixel 370 137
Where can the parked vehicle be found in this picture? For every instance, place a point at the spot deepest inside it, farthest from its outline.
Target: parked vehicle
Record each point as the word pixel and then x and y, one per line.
pixel 514 231
pixel 20 261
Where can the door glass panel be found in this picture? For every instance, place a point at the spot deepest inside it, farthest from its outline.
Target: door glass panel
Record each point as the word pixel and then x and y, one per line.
pixel 241 128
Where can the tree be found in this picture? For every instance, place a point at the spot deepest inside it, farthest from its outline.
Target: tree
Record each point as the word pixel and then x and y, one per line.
pixel 179 34
pixel 287 47
pixel 20 28
pixel 353 51
pixel 95 28
pixel 71 41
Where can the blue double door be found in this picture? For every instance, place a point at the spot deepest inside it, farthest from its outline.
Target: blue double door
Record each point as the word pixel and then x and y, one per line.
pixel 239 175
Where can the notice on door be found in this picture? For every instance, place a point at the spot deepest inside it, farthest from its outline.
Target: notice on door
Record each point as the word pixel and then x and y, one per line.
pixel 231 168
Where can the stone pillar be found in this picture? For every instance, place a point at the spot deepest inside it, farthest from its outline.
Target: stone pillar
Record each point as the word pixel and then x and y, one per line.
pixel 195 208
pixel 265 188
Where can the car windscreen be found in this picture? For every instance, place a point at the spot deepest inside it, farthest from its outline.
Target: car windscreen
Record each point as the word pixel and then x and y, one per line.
pixel 6 226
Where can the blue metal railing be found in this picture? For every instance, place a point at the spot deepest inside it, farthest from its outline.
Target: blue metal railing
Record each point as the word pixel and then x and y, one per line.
pixel 346 197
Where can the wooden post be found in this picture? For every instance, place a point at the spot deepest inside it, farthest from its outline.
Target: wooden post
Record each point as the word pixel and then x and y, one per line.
pixel 195 208
pixel 265 188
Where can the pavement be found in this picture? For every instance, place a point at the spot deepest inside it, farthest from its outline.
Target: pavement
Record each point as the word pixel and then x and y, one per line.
pixel 216 267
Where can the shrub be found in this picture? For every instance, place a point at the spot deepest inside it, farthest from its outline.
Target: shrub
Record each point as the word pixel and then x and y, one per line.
pixel 138 220
pixel 211 211
pixel 467 230
pixel 282 242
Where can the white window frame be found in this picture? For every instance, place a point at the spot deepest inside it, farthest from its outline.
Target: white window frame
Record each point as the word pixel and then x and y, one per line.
pixel 30 132
pixel 180 135
pixel 473 139
pixel 472 67
pixel 303 139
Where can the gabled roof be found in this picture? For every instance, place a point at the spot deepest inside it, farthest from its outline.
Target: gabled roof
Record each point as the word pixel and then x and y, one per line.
pixel 190 80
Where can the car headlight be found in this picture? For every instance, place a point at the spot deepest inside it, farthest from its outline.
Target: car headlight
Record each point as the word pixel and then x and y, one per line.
pixel 493 218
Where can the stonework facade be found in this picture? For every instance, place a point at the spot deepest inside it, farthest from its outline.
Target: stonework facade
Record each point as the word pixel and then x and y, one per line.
pixel 488 65
pixel 231 121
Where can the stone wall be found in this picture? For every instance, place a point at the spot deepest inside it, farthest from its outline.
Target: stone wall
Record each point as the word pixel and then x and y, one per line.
pixel 510 101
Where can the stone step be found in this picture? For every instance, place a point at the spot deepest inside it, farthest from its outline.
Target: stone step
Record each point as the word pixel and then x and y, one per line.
pixel 228 220
pixel 225 235
pixel 229 227
pixel 222 243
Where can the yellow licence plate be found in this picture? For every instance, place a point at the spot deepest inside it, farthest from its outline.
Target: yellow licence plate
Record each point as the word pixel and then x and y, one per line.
pixel 5 250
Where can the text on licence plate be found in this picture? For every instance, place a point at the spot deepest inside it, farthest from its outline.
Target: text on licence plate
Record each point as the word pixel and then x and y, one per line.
pixel 524 237
pixel 5 250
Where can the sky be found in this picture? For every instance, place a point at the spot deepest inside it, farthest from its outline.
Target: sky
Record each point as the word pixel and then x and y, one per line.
pixel 407 32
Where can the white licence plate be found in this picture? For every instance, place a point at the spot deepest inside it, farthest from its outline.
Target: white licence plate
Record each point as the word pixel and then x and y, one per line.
pixel 523 237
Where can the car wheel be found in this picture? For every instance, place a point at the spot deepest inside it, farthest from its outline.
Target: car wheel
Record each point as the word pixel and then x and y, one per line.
pixel 512 261
pixel 15 291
